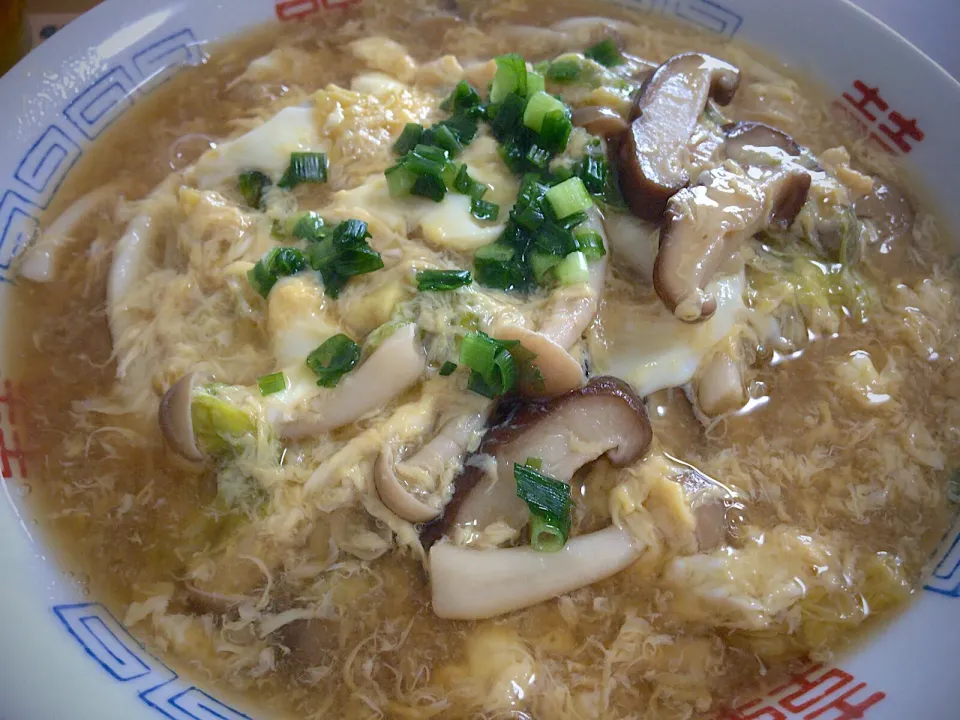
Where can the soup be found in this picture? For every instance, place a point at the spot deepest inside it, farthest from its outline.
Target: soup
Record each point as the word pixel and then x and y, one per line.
pixel 485 359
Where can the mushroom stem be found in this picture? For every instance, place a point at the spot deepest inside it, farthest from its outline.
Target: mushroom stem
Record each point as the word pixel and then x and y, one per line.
pixel 39 260
pixel 471 584
pixel 393 367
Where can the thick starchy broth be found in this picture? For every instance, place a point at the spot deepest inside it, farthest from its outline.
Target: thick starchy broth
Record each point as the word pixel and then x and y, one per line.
pixel 278 567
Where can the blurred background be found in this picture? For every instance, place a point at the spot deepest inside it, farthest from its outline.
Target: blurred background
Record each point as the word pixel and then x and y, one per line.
pixel 930 24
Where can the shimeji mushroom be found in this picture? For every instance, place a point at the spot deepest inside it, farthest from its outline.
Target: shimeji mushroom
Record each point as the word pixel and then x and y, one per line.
pixel 652 155
pixel 394 366
pixel 564 433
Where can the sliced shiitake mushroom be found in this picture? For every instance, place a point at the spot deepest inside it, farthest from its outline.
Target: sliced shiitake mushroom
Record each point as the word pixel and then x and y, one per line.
pixel 705 226
pixel 653 155
pixel 739 136
pixel 565 433
pixel 600 121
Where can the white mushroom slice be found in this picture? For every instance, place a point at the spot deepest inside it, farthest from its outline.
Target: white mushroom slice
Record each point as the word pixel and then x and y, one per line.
pixel 393 367
pixel 39 261
pixel 469 584
pixel 442 454
pixel 719 384
pixel 559 369
pixel 394 495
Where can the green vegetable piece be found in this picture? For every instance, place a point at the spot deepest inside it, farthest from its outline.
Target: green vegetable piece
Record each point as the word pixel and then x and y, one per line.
pixel 549 503
pixel 511 77
pixel 569 197
pixel 277 263
pixel 573 269
pixel 590 243
pixel 463 100
pixel 409 138
pixel 400 181
pixel 252 184
pixel 538 106
pixel 217 424
pixel 447 368
pixel 555 131
pixel 442 280
pixel 343 254
pixel 605 52
pixel 305 167
pixel 483 210
pixel 309 226
pixel 430 186
pixel 273 383
pixel 333 359
pixel 564 71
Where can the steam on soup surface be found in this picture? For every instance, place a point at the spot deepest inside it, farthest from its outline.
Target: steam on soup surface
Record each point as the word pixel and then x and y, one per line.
pixel 375 371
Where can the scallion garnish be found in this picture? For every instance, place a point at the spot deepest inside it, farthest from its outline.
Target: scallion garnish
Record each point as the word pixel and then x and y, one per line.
pixel 493 369
pixel 483 210
pixel 569 197
pixel 447 368
pixel 605 52
pixel 549 503
pixel 343 254
pixel 409 138
pixel 252 185
pixel 511 77
pixel 305 167
pixel 442 280
pixel 590 243
pixel 555 130
pixel 273 383
pixel 538 106
pixel 333 359
pixel 573 269
pixel 563 71
pixel 277 263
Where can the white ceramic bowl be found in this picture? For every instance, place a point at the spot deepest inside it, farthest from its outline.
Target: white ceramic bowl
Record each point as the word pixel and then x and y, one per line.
pixel 64 657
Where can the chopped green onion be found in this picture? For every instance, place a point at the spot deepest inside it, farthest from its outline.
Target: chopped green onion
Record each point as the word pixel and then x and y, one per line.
pixel 273 383
pixel 442 280
pixel 277 263
pixel 538 156
pixel 426 160
pixel 509 117
pixel 483 210
pixel 466 185
pixel 549 503
pixel 605 52
pixel 309 226
pixel 430 186
pixel 590 243
pixel 441 136
pixel 333 359
pixel 463 100
pixel 539 105
pixel 400 181
pixel 563 71
pixel 409 138
pixel 342 254
pixel 511 77
pixel 252 185
pixel 463 127
pixel 545 536
pixel 555 130
pixel 500 266
pixel 493 369
pixel 573 269
pixel 447 368
pixel 542 263
pixel 569 197
pixel 535 82
pixel 305 167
